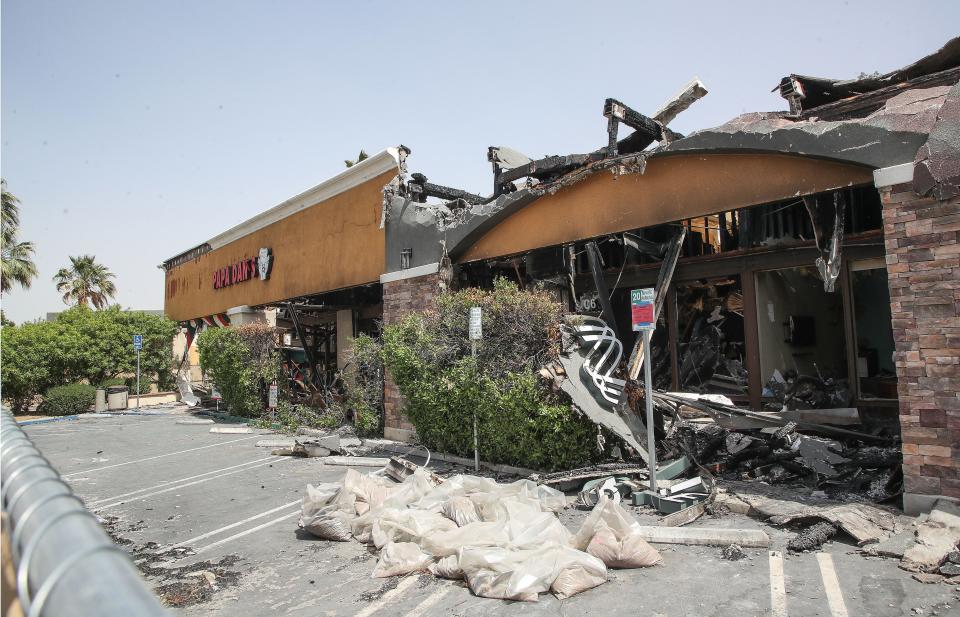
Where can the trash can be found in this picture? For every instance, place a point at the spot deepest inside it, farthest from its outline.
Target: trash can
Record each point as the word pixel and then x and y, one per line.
pixel 100 403
pixel 116 398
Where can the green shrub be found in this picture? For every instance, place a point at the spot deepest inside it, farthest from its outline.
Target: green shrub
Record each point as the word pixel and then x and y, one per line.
pixel 116 381
pixel 363 385
pixel 520 421
pixel 241 361
pixel 68 400
pixel 291 416
pixel 82 345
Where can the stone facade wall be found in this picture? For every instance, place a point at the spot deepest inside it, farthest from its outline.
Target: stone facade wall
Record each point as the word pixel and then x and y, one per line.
pixel 923 267
pixel 401 298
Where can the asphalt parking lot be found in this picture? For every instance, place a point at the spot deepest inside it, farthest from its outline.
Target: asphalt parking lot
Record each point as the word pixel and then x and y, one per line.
pixel 190 504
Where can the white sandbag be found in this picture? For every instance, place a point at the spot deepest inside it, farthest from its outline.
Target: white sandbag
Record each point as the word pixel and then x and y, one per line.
pixel 326 512
pixel 412 489
pixel 523 574
pixel 575 579
pixel 497 507
pixel 551 500
pixel 497 572
pixel 454 486
pixel 631 551
pixel 444 543
pixel 613 535
pixel 538 531
pixel 407 525
pixel 448 567
pixel 369 489
pixel 460 510
pixel 398 558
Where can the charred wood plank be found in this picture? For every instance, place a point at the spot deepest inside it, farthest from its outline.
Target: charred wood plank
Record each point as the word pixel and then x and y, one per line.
pixel 688 95
pixel 663 285
pixel 545 168
pixel 420 189
pixel 593 254
pixel 646 130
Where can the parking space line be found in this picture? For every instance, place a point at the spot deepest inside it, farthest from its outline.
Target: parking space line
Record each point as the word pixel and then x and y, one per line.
pixel 228 527
pixel 180 486
pixel 778 588
pixel 169 482
pixel 831 585
pixel 244 533
pixel 151 458
pixel 432 599
pixel 387 597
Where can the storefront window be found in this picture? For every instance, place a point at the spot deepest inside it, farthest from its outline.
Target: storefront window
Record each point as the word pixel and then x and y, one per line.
pixel 803 359
pixel 711 354
pixel 876 370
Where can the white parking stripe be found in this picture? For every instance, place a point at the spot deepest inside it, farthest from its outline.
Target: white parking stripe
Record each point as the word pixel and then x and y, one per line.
pixel 178 487
pixel 150 458
pixel 778 588
pixel 832 585
pixel 387 597
pixel 246 533
pixel 432 599
pixel 169 482
pixel 231 526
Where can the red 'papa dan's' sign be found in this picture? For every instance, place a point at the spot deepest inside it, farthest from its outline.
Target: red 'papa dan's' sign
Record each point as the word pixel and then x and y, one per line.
pixel 244 270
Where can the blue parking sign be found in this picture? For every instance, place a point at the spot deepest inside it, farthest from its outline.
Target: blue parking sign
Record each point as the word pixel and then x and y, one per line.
pixel 138 342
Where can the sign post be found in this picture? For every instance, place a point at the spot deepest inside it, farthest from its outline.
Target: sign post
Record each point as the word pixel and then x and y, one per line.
pixel 476 333
pixel 641 309
pixel 272 400
pixel 138 345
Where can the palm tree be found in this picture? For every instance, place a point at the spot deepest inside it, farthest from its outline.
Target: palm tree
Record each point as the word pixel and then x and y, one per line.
pixel 361 157
pixel 85 281
pixel 16 258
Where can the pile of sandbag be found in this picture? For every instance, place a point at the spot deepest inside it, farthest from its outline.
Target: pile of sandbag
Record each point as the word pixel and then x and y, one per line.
pixel 505 540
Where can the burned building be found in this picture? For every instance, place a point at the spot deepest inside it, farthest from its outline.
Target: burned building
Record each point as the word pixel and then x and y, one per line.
pixel 812 253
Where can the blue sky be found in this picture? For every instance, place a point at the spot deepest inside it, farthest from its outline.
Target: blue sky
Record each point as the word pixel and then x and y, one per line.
pixel 135 129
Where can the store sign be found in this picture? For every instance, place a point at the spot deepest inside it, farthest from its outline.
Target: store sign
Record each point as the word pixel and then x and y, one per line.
pixel 245 270
pixel 641 309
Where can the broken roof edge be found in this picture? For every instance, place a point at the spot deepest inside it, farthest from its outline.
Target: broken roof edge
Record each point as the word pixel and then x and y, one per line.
pixel 368 169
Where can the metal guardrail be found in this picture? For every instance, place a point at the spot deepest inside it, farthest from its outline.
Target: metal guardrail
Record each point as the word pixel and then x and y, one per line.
pixel 66 563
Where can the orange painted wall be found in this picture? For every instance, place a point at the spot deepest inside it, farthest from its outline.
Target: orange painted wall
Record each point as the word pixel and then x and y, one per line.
pixel 671 188
pixel 328 246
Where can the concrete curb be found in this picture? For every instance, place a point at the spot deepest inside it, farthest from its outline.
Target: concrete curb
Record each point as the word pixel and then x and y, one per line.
pixel 47 420
pixel 466 462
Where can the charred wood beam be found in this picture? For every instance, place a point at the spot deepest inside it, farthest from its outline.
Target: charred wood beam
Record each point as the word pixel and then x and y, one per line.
pixel 545 168
pixel 663 285
pixel 646 130
pixel 596 268
pixel 688 95
pixel 307 350
pixel 420 189
pixel 646 247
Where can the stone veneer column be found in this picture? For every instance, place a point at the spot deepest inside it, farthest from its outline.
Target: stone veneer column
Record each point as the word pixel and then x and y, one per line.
pixel 923 269
pixel 400 298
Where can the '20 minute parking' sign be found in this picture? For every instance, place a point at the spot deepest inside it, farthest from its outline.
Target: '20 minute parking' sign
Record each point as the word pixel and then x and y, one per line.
pixel 641 309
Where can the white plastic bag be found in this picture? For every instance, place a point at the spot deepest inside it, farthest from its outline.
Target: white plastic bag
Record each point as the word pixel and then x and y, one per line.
pixel 444 543
pixel 398 558
pixel 578 572
pixel 448 567
pixel 524 574
pixel 407 525
pixel 613 535
pixel 460 510
pixel 326 512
